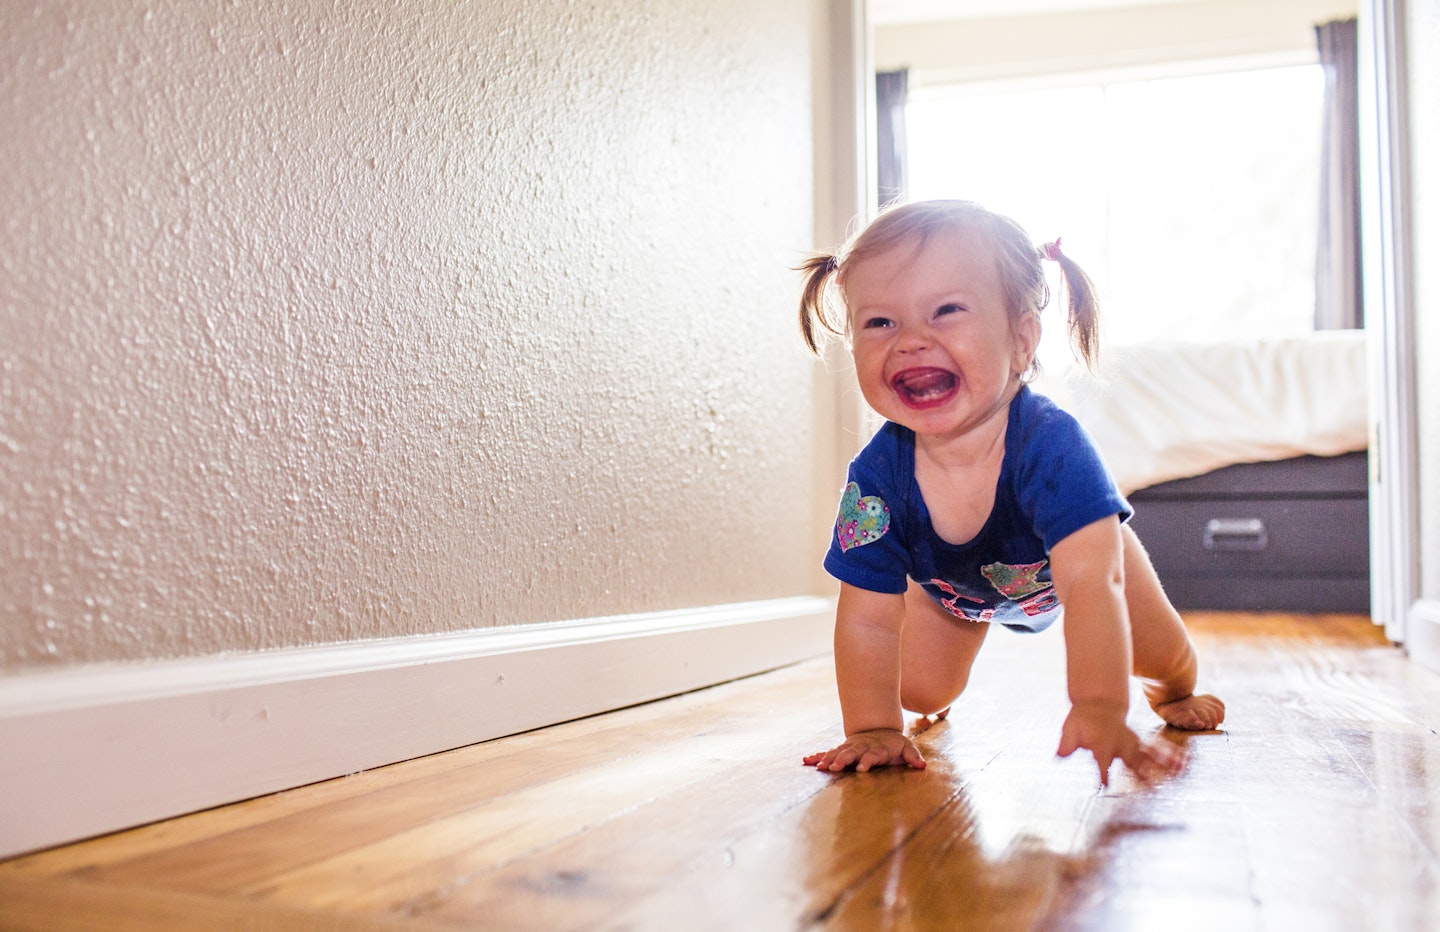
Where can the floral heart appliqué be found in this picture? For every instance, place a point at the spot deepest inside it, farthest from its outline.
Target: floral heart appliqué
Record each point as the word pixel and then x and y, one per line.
pixel 1015 581
pixel 862 520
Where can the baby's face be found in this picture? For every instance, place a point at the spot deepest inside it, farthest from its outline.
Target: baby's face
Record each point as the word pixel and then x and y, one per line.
pixel 933 345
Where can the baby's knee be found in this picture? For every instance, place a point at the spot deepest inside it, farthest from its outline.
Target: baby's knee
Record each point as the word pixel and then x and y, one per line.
pixel 929 698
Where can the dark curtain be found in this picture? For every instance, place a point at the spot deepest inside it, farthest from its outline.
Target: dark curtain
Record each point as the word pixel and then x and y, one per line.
pixel 1338 304
pixel 892 88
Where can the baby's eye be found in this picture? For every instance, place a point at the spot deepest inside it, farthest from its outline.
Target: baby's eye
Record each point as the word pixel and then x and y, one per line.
pixel 944 309
pixel 875 323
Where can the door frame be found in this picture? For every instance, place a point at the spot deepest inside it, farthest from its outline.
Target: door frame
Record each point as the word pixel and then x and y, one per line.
pixel 1394 516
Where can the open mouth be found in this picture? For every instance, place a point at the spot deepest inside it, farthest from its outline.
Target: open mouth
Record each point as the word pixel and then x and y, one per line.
pixel 924 387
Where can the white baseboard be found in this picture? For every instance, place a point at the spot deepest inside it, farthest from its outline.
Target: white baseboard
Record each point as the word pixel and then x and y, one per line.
pixel 1422 633
pixel 90 750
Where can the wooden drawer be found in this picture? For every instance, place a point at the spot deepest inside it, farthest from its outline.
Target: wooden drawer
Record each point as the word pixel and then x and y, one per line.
pixel 1285 536
pixel 1257 537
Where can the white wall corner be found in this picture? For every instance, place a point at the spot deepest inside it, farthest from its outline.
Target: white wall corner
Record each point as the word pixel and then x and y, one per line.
pixel 92 750
pixel 1422 633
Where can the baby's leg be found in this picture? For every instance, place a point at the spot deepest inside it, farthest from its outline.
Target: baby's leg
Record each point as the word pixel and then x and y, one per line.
pixel 1164 656
pixel 936 653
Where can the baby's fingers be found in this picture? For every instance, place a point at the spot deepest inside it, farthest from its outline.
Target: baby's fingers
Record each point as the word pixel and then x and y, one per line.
pixel 870 759
pixel 1154 762
pixel 824 760
pixel 913 757
pixel 1103 761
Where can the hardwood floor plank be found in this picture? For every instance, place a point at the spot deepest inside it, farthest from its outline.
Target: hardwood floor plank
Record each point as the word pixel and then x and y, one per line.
pixel 701 851
pixel 973 865
pixel 792 871
pixel 525 824
pixel 1369 857
pixel 589 876
pixel 806 867
pixel 63 904
pixel 1315 803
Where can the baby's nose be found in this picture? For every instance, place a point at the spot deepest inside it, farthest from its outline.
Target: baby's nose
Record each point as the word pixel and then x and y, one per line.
pixel 915 337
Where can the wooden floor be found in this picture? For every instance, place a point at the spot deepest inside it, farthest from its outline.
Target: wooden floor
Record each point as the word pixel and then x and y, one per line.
pixel 1317 807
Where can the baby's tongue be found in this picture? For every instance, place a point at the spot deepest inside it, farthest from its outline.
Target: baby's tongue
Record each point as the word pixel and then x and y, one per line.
pixel 930 382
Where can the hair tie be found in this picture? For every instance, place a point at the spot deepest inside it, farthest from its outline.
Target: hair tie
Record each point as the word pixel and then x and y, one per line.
pixel 1051 251
pixel 831 264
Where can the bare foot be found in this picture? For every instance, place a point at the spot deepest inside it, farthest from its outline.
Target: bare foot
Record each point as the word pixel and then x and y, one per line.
pixel 1193 713
pixel 929 721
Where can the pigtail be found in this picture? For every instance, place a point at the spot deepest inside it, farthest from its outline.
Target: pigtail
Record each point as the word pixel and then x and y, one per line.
pixel 1083 308
pixel 815 320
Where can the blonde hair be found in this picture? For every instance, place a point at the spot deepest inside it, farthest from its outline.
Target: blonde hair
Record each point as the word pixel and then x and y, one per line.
pixel 1018 262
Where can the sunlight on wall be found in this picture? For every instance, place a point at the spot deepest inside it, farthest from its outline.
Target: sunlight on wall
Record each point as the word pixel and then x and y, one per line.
pixel 1191 201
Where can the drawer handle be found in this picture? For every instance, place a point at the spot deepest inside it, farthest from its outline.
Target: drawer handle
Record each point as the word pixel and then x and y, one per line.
pixel 1236 534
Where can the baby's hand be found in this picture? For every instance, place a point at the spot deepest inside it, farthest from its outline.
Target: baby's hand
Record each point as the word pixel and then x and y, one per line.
pixel 1102 731
pixel 881 747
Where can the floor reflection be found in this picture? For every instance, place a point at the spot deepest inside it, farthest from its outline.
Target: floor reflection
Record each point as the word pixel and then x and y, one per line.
pixel 1025 837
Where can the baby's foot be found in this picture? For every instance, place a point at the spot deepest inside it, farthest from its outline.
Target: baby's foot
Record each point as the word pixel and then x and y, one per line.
pixel 929 721
pixel 1193 713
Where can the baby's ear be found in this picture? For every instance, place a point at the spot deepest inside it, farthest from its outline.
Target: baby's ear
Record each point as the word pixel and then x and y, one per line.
pixel 1024 340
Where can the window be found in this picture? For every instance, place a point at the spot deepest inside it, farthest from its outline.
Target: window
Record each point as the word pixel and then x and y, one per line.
pixel 1191 201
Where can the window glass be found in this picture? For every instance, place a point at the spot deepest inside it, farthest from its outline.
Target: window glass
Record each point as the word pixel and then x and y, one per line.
pixel 1191 201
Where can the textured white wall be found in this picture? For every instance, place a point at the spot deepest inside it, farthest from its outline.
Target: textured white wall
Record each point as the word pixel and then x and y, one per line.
pixel 1422 30
pixel 335 320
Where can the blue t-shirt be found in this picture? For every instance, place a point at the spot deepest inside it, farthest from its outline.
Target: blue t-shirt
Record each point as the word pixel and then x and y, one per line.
pixel 1052 484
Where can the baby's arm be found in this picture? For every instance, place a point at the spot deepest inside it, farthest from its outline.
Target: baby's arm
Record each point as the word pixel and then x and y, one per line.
pixel 1087 569
pixel 867 669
